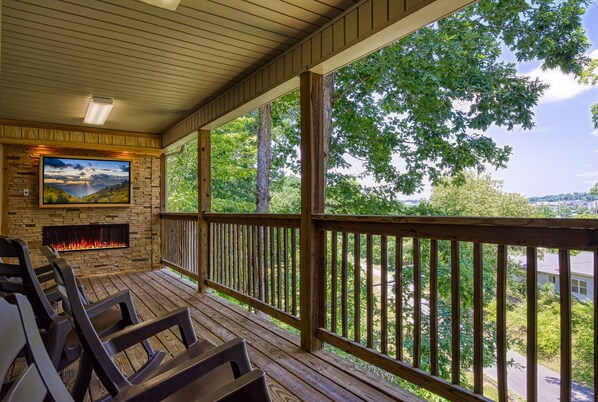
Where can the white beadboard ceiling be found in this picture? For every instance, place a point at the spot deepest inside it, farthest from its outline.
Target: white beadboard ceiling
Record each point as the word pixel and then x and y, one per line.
pixel 157 65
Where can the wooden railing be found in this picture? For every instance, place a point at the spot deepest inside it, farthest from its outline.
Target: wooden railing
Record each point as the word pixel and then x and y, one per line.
pixel 255 258
pixel 179 242
pixel 402 292
pixel 414 296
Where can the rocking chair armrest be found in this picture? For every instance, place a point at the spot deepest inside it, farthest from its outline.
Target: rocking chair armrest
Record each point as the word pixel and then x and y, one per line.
pixel 133 335
pixel 44 269
pixel 123 297
pixel 43 278
pixel 161 386
pixel 249 387
pixel 11 287
pixel 10 271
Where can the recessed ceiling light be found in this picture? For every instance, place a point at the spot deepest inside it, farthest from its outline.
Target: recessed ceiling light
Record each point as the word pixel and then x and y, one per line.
pixel 166 4
pixel 98 110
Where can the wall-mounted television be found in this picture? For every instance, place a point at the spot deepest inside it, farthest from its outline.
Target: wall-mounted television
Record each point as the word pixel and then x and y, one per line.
pixel 70 181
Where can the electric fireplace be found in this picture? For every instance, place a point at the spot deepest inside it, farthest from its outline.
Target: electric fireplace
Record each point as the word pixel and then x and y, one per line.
pixel 86 237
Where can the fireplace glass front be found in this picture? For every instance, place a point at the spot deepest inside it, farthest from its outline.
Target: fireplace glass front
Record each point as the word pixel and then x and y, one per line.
pixel 86 237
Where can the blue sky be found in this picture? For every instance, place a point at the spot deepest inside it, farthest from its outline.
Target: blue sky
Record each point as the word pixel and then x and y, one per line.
pixel 560 155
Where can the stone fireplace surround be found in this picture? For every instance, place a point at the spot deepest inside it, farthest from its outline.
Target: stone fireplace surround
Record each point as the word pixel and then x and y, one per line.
pixel 23 218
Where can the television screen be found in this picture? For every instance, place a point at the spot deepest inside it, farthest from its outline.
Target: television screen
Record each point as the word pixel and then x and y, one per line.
pixel 73 181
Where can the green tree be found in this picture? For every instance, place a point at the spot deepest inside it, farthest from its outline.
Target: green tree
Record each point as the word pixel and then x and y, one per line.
pixel 419 108
pixel 181 179
pixel 234 169
pixel 594 189
pixel 590 76
pixel 549 333
pixel 478 195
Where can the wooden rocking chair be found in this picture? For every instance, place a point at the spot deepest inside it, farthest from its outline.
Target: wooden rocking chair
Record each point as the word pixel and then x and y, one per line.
pixel 39 381
pixel 203 369
pixel 59 336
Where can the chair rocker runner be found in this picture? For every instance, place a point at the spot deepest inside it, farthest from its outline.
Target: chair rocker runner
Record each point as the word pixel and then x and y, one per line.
pixel 203 369
pixel 39 381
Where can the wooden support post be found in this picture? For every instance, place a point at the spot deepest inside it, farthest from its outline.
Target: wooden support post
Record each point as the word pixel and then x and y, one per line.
pixel 204 182
pixel 312 201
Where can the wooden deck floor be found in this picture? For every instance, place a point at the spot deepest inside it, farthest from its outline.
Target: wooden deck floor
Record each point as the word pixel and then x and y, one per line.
pixel 293 375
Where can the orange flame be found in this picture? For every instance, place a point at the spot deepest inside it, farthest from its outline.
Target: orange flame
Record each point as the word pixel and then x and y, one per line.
pixel 88 245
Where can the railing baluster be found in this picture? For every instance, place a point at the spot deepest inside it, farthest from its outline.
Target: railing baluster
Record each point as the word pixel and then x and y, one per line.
pixel 417 302
pixel 478 319
pixel 243 287
pixel 278 268
pixel 532 324
pixel 384 294
pixel 221 253
pixel 399 297
pixel 254 258
pixel 259 276
pixel 357 286
pixel 595 322
pixel 229 272
pixel 434 307
pixel 369 291
pixel 237 255
pixel 501 323
pixel 334 279
pixel 266 262
pixel 294 269
pixel 455 314
pixel 286 270
pixel 247 253
pixel 272 268
pixel 249 276
pixel 565 296
pixel 344 283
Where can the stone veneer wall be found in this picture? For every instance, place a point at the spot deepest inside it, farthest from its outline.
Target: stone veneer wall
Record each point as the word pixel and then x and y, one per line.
pixel 26 218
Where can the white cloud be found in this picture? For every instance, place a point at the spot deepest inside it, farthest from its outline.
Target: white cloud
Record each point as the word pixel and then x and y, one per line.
pixel 562 86
pixel 594 54
pixel 588 174
pixel 594 133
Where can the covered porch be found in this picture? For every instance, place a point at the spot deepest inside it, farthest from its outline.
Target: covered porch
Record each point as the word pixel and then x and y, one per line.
pixel 366 285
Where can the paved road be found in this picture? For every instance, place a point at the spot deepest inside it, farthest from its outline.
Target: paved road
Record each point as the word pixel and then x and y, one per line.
pixel 548 382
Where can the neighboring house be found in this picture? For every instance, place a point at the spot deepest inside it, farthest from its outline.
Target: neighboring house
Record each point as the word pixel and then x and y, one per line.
pixel 582 273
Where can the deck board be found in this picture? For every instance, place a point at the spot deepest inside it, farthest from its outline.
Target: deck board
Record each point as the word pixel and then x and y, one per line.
pixel 292 374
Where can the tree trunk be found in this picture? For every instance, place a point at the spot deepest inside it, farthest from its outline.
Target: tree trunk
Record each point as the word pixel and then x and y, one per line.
pixel 328 101
pixel 264 159
pixel 262 202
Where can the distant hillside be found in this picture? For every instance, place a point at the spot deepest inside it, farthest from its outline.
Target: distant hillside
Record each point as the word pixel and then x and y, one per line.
pixel 116 194
pixel 53 195
pixel 119 193
pixel 564 197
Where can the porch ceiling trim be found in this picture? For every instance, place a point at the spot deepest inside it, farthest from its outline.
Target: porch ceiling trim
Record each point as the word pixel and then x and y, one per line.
pixel 362 29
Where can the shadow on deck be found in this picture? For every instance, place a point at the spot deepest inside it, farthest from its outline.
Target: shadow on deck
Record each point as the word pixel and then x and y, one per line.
pixel 293 374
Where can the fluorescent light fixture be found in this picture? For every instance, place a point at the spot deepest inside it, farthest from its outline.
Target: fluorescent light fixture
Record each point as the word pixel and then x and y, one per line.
pixel 98 110
pixel 166 4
